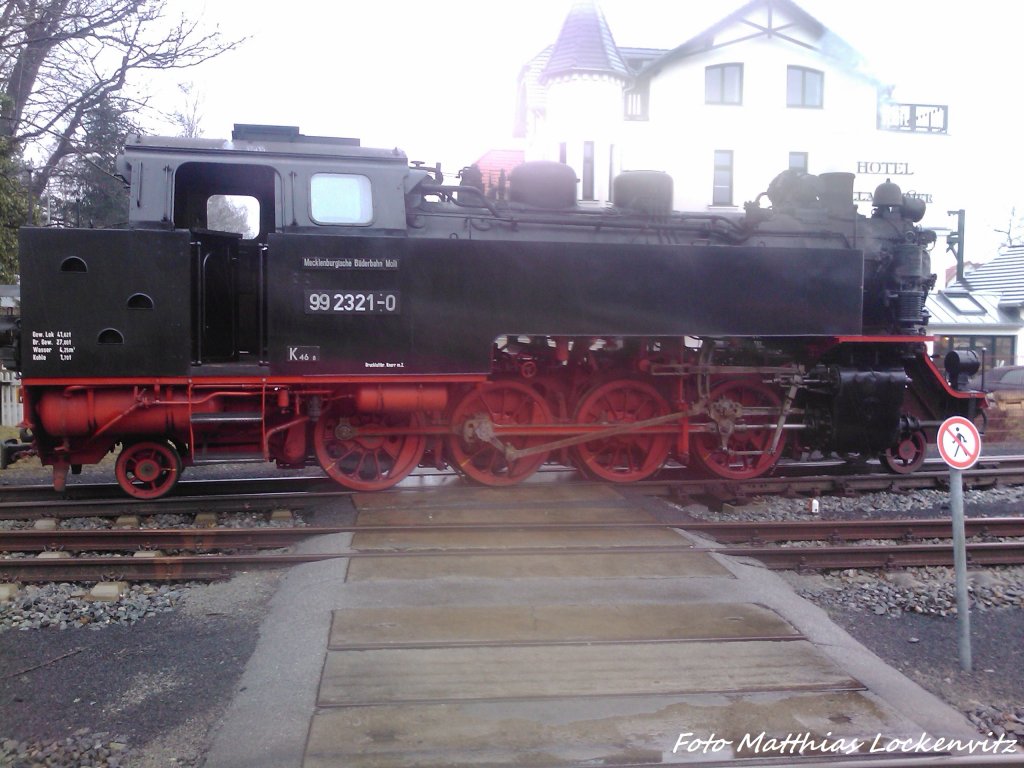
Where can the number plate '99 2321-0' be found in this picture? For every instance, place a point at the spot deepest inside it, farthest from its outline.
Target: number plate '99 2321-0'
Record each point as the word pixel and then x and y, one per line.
pixel 352 303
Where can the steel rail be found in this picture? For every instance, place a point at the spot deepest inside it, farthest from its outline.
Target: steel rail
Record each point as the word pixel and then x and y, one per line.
pixel 776 558
pixel 182 568
pixel 26 503
pixel 207 539
pixel 839 484
pixel 119 539
pixel 895 556
pixel 853 530
pixel 187 486
pixel 108 507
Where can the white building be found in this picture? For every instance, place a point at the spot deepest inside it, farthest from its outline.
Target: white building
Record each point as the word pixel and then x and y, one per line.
pixel 766 88
pixel 10 382
pixel 984 311
pixel 10 398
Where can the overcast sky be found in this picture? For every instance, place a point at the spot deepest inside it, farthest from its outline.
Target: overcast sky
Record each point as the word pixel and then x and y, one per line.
pixel 437 79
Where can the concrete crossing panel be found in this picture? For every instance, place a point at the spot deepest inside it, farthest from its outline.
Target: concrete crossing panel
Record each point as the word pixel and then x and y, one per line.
pixel 612 512
pixel 566 565
pixel 591 731
pixel 424 626
pixel 455 674
pixel 509 539
pixel 473 497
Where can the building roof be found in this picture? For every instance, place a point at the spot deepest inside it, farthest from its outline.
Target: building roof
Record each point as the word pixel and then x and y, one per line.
pixel 638 58
pixel 585 45
pixel 958 309
pixel 783 20
pixel 1003 275
pixel 532 96
pixel 969 266
pixel 495 161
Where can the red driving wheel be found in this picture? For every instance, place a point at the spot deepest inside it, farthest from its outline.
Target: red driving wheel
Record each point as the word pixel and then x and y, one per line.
pixel 147 470
pixel 627 457
pixel 497 404
pixel 354 457
pixel 745 454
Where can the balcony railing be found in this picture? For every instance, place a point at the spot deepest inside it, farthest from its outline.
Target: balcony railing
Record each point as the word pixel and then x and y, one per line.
pixel 913 118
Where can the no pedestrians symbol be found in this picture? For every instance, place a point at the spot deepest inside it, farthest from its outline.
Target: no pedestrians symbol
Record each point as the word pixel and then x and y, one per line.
pixel 959 442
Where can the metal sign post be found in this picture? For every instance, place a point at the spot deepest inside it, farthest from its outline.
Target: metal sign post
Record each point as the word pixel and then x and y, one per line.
pixel 960 447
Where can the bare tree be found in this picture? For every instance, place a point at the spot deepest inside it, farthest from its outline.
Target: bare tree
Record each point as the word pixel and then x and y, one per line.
pixel 1013 235
pixel 61 58
pixel 189 117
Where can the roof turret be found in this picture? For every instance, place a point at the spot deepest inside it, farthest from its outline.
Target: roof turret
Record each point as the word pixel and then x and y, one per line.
pixel 585 45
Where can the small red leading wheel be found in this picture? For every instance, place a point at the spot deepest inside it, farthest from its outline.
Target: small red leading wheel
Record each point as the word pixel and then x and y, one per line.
pixel 147 470
pixel 628 457
pixel 353 456
pixel 496 404
pixel 747 403
pixel 907 455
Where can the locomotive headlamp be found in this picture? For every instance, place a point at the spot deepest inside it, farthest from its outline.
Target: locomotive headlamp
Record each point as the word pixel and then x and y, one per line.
pixel 913 208
pixel 960 365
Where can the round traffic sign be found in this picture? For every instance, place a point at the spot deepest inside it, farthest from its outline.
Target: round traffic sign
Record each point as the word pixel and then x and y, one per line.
pixel 959 442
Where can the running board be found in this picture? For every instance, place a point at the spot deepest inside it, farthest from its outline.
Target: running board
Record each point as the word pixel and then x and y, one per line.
pixel 227 417
pixel 228 458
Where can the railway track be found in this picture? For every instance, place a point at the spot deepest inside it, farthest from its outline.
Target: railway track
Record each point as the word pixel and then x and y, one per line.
pixel 28 502
pixel 212 553
pixel 200 540
pixel 29 554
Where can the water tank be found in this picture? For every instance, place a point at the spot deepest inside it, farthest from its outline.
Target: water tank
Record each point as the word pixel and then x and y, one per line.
pixel 645 191
pixel 543 184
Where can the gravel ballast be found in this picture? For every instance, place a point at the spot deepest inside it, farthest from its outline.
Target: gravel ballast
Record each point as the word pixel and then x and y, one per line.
pixel 67 606
pixel 138 684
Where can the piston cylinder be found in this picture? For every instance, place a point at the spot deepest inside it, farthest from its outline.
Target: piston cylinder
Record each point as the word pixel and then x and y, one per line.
pixel 403 398
pixel 80 412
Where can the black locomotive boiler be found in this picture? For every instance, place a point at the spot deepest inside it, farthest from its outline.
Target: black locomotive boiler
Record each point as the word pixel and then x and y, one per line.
pixel 371 319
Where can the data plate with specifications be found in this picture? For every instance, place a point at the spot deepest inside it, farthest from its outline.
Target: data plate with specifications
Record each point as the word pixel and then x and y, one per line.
pixel 353 303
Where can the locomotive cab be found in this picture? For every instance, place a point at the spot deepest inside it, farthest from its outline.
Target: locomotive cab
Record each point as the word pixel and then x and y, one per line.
pixel 244 204
pixel 230 210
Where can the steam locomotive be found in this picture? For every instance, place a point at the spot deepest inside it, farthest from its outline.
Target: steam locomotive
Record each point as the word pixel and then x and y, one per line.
pixel 371 318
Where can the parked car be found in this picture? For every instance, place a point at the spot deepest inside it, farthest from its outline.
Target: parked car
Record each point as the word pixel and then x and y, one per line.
pixel 1008 378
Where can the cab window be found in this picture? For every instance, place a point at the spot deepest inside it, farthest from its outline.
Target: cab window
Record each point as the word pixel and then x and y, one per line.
pixel 340 198
pixel 234 213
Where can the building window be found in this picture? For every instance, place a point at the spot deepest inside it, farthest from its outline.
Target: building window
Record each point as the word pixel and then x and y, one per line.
pixel 722 190
pixel 563 153
pixel 588 170
pixel 723 84
pixel 963 303
pixel 798 161
pixel 611 169
pixel 636 102
pixel 805 87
